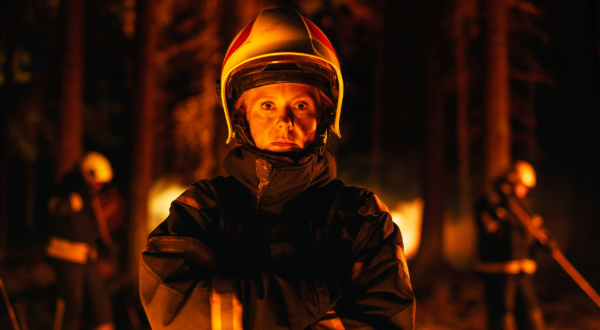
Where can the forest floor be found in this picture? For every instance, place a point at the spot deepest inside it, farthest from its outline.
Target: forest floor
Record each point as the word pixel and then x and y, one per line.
pixel 441 306
pixel 564 305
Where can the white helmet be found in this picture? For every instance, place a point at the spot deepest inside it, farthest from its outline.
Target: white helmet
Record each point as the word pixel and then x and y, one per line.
pixel 280 46
pixel 522 172
pixel 96 166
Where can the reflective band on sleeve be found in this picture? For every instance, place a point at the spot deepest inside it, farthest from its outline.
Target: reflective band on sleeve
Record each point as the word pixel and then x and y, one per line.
pixel 237 313
pixel 188 201
pixel 225 311
pixel 510 267
pixel 528 266
pixel 66 250
pixel 215 310
pixel 329 322
pixel 388 252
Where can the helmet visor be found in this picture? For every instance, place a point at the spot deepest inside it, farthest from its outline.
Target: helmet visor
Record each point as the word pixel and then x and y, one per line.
pixel 282 71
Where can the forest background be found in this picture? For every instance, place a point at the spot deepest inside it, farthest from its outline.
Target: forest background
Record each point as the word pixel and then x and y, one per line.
pixel 442 96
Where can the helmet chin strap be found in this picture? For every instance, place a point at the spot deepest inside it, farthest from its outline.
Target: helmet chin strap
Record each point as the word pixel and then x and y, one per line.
pixel 318 145
pixel 241 135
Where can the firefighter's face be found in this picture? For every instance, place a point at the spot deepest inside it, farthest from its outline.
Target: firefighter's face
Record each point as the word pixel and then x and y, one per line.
pixel 92 181
pixel 283 117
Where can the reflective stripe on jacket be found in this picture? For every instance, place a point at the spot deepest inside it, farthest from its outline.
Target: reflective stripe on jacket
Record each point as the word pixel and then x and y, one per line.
pixel 509 267
pixel 76 252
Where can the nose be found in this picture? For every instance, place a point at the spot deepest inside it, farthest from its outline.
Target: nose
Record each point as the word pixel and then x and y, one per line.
pixel 286 120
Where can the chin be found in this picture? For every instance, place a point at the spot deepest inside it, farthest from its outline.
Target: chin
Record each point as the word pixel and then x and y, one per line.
pixel 282 148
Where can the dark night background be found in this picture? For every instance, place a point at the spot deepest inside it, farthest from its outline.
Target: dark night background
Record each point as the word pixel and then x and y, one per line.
pixel 398 124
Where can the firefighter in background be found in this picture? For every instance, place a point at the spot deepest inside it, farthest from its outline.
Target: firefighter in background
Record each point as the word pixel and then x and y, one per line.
pixel 505 251
pixel 280 243
pixel 77 225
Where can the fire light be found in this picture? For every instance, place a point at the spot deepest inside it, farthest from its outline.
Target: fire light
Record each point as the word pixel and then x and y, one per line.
pixel 161 195
pixel 409 217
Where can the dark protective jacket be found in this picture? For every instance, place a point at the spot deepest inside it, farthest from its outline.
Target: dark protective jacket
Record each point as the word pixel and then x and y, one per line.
pixel 74 226
pixel 505 245
pixel 278 244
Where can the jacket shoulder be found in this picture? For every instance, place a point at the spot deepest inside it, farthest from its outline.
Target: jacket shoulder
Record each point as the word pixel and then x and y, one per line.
pixel 201 195
pixel 360 200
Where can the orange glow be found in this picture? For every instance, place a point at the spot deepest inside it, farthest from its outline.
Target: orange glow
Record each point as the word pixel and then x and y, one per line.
pixel 409 217
pixel 161 195
pixel 459 241
pixel 528 179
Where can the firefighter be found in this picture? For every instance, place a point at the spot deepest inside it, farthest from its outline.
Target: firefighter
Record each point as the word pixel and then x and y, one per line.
pixel 280 243
pixel 505 253
pixel 77 226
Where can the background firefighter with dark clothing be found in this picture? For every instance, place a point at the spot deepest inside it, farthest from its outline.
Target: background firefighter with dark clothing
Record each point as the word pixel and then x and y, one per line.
pixel 77 225
pixel 280 243
pixel 505 250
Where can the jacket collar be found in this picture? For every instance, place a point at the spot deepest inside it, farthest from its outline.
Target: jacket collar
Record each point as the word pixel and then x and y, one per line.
pixel 275 180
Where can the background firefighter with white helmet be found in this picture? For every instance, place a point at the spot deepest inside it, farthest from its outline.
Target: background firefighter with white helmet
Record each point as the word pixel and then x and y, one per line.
pixel 77 225
pixel 505 252
pixel 280 243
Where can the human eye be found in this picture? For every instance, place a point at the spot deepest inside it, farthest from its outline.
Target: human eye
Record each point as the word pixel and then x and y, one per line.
pixel 301 106
pixel 267 106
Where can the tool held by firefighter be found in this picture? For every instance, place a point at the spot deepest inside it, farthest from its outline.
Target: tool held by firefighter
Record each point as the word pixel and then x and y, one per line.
pixel 541 237
pixel 11 311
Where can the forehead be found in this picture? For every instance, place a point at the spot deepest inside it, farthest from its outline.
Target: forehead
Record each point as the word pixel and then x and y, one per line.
pixel 284 91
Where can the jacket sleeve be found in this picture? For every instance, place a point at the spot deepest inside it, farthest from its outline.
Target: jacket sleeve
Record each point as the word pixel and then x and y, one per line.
pixel 181 286
pixel 59 206
pixel 379 294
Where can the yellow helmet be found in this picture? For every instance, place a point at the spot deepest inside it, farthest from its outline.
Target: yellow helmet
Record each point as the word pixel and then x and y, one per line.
pixel 522 172
pixel 280 46
pixel 95 165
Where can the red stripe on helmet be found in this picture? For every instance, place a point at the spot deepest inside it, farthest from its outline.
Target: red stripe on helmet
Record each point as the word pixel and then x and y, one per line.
pixel 239 41
pixel 317 32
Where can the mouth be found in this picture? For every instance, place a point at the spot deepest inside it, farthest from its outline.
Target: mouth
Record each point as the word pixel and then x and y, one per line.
pixel 285 144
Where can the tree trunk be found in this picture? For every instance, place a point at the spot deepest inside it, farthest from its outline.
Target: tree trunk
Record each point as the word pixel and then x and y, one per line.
pixel 70 144
pixel 378 76
pixel 4 177
pixel 430 253
pixel 497 110
pixel 213 146
pixel 143 141
pixel 463 145
pixel 583 242
pixel 9 103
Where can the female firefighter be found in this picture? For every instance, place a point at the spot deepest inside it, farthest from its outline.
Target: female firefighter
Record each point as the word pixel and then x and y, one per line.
pixel 280 243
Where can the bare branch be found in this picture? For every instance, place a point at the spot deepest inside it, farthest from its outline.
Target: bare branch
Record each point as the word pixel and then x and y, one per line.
pixel 362 12
pixel 526 7
pixel 192 44
pixel 533 76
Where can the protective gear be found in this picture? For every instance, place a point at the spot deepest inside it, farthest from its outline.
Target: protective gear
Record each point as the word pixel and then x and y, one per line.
pixel 505 251
pixel 522 172
pixel 279 244
pixel 280 46
pixel 95 165
pixel 72 248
